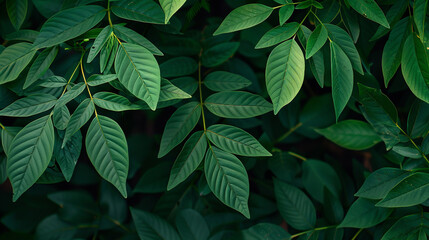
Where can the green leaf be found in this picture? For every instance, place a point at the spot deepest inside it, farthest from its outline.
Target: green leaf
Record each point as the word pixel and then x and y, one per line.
pixel 67 156
pixel 107 149
pixel 317 61
pixel 225 81
pixel 97 79
pixel 7 135
pixel 418 120
pixel 53 82
pixel 154 180
pixel 52 227
pixel 80 117
pixel 191 225
pixel 146 11
pixel 29 155
pixel 71 94
pixel 40 66
pixel 169 91
pixel 139 72
pixel 316 41
pixel 420 9
pixel 68 24
pixel 284 73
pixel 364 214
pixel 277 35
pixel 244 17
pixel 380 112
pixel 407 226
pixel 218 54
pixel 13 60
pixel 99 43
pixel 150 226
pixel 318 176
pixel 180 124
pixel 411 191
pixel 188 159
pixel 380 182
pixel 294 206
pixel 265 231
pixel 113 102
pixel 285 13
pixel 370 10
pixel 170 7
pixel 179 66
pixel 342 38
pixel 29 106
pixel 228 180
pixel 393 15
pixel 407 150
pixel 341 77
pixel 351 134
pixel 131 36
pixel 235 140
pixel 392 52
pixel 237 104
pixel 415 67
pixel 107 54
pixel 17 11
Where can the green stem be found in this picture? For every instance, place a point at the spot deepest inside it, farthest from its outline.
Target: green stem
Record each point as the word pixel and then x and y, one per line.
pixel 1 126
pixel 320 21
pixel 201 91
pixel 411 140
pixel 293 129
pixel 357 234
pixel 278 6
pixel 87 87
pixel 297 156
pixel 108 13
pixel 316 229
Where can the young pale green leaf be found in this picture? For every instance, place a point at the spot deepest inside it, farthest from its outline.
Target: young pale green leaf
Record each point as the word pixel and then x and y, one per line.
pixel 169 91
pixel 235 140
pixel 225 81
pixel 97 79
pixel 418 120
pixel 277 35
pixel 80 117
pixel 284 73
pixel 341 79
pixel 228 180
pixel 392 52
pixel 370 10
pixel 17 10
pixel 219 54
pixel 53 82
pixel 380 112
pixel 170 7
pixel 180 124
pixel 150 226
pixel 415 67
pixel 107 149
pixel 188 160
pixel 139 72
pixel 420 9
pixel 316 41
pixel 237 104
pixel 244 17
pixel 131 36
pixel 29 155
pixel 191 225
pixel 178 67
pixel 351 134
pixel 14 59
pixel 99 43
pixel 71 94
pixel 146 11
pixel 364 214
pixel 40 66
pixel 409 227
pixel 265 231
pixel 285 13
pixel 294 206
pixel 67 157
pixel 411 191
pixel 380 182
pixel 342 38
pixel 68 24
pixel 29 106
pixel 7 135
pixel 113 102
pixel 318 176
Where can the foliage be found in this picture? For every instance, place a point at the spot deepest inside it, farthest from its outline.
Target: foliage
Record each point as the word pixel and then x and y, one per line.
pixel 276 119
